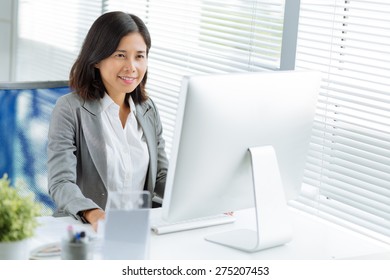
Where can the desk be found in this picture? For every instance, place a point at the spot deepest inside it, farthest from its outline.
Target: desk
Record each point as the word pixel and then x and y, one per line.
pixel 312 239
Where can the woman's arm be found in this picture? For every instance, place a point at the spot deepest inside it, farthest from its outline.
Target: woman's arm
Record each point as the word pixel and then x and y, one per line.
pixel 62 161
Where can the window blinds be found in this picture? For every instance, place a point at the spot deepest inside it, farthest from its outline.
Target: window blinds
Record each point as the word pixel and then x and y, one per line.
pixel 347 177
pixel 49 37
pixel 204 36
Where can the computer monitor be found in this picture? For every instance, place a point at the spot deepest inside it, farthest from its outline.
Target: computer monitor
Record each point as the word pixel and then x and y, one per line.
pixel 220 116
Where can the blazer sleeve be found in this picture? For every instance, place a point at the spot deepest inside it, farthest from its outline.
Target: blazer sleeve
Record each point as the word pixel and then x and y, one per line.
pixel 62 161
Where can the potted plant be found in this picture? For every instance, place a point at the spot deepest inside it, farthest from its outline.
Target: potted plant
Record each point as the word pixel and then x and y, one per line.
pixel 18 214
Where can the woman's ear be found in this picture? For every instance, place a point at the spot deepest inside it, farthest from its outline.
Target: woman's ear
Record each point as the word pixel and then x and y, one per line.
pixel 97 65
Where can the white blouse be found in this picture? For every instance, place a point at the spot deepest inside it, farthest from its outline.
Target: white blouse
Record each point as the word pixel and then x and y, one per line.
pixel 127 153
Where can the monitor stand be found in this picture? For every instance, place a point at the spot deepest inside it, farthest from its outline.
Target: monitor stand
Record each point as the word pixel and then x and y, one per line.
pixel 273 227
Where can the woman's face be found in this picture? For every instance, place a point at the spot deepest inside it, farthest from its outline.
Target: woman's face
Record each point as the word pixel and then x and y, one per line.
pixel 124 70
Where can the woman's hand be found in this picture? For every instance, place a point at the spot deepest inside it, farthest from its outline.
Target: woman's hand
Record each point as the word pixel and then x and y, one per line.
pixel 93 216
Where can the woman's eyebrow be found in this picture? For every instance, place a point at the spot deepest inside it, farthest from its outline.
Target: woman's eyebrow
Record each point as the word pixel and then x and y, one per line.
pixel 124 51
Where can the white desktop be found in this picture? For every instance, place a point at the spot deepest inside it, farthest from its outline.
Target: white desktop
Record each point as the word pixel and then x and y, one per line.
pixel 314 239
pixel 233 130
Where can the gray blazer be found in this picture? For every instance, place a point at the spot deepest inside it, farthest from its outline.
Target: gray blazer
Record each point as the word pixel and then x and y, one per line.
pixel 77 162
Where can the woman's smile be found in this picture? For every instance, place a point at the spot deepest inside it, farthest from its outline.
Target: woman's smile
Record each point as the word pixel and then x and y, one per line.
pixel 128 80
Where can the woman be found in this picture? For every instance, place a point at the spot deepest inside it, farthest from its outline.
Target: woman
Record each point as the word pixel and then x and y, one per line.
pixel 106 137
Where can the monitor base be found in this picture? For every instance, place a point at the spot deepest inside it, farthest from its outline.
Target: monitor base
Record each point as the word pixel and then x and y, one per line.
pixel 273 227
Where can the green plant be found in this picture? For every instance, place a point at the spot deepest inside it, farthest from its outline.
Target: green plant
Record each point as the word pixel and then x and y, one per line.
pixel 17 213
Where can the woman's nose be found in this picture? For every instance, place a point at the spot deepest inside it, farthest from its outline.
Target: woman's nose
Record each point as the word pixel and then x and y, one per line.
pixel 130 65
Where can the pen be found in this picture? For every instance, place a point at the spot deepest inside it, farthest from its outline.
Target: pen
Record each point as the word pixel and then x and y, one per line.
pixel 77 237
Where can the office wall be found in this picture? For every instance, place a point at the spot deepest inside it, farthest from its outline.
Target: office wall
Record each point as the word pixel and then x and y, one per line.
pixel 6 18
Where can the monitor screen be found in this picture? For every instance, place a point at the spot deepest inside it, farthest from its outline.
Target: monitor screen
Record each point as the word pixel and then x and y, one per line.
pixel 219 117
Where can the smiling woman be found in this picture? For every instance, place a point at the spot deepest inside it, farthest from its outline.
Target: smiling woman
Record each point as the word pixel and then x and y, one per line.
pixel 106 136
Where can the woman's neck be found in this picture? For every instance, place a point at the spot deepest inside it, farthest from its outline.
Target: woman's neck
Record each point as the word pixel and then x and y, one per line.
pixel 124 108
pixel 124 112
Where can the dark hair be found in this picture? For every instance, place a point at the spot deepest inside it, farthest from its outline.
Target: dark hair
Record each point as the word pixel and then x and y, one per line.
pixel 101 41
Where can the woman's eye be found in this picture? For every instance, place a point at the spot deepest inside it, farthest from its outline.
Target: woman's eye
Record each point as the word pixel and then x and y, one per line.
pixel 120 55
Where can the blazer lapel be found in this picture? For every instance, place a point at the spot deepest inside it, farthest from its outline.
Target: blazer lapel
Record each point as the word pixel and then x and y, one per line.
pixel 141 116
pixel 93 134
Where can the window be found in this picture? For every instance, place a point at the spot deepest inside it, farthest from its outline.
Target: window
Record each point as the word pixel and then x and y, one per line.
pixel 348 169
pixel 49 37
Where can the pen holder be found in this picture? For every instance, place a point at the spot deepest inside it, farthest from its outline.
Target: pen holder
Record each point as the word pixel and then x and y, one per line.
pixel 75 250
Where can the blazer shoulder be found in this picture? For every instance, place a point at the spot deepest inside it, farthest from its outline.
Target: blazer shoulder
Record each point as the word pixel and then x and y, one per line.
pixel 72 99
pixel 148 103
pixel 76 102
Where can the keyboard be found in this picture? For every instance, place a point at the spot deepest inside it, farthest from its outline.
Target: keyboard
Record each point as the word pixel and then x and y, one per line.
pixel 160 226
